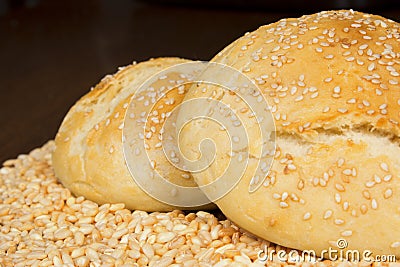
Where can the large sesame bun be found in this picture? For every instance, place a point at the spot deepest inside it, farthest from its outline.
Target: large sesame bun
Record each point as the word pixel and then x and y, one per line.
pixel 332 82
pixel 89 156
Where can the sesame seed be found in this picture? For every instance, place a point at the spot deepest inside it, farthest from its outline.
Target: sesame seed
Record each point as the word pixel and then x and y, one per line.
pixel 328 214
pixel 347 233
pixel 383 106
pixel 276 48
pixel 366 194
pixel 283 204
pixel 363 209
pixel 342 110
pixel 300 184
pixel 338 198
pixel 366 103
pixel 371 67
pixel 339 221
pixel 355 25
pixel 374 204
pixel 388 193
pixel 345 206
pixel 384 166
pixel 294 197
pixel 291 167
pixel 395 244
pixel 301 83
pixel 299 98
pixel 354 213
pixel 387 178
pixel 158 145
pixel 346 171
pixel 377 179
pixel 306 216
pixel 340 187
pixel 370 184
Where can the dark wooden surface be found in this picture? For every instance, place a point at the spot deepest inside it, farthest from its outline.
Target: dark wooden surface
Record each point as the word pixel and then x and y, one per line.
pixel 52 52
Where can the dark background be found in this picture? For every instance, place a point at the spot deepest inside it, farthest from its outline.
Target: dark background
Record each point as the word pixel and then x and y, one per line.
pixel 53 51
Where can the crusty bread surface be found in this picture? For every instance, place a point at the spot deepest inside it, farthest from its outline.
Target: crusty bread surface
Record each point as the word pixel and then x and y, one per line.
pixel 332 83
pixel 89 158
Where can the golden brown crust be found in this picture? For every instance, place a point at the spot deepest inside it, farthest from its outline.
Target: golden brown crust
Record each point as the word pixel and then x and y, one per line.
pixel 332 80
pixel 89 158
pixel 341 66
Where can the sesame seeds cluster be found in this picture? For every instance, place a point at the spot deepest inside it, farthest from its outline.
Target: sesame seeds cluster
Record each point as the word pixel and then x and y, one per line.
pixel 310 62
pixel 153 112
pixel 43 224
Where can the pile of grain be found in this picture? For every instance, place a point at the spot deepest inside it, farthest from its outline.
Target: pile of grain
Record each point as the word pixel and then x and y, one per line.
pixel 42 224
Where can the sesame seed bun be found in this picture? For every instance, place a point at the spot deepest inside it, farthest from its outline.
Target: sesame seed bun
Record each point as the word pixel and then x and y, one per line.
pixel 89 158
pixel 332 82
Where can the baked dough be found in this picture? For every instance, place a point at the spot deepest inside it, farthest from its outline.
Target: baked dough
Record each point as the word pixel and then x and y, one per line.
pixel 89 159
pixel 332 82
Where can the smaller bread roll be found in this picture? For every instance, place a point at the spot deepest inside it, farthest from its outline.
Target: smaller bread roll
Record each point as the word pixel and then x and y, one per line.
pixel 89 158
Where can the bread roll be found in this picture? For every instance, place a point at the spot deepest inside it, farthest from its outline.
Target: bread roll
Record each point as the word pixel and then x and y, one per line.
pixel 89 158
pixel 332 82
